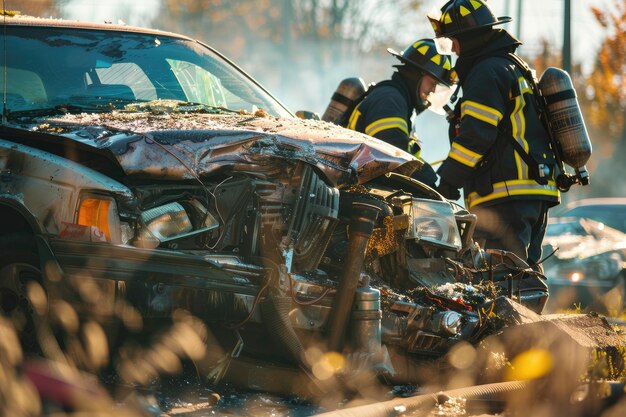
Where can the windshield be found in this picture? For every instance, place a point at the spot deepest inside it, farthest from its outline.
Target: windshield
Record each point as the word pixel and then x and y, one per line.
pixel 611 215
pixel 571 226
pixel 93 70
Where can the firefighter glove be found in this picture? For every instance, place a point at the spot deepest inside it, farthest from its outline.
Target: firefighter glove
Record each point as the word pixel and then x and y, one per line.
pixel 448 190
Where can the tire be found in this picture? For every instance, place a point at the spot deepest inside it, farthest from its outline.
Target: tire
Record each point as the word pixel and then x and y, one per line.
pixel 19 268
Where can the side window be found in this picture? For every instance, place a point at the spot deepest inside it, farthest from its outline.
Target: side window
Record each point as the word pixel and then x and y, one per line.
pixel 199 85
pixel 126 77
pixel 24 88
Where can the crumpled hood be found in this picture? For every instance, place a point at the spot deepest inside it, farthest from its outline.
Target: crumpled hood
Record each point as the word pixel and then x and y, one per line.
pixel 172 146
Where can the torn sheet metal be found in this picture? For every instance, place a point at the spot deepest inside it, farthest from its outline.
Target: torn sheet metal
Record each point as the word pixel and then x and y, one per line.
pixel 183 146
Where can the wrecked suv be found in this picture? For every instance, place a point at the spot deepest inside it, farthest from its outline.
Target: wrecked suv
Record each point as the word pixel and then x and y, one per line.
pixel 140 168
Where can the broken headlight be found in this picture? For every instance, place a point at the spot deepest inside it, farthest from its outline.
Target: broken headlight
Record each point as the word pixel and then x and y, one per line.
pixel 174 221
pixel 433 222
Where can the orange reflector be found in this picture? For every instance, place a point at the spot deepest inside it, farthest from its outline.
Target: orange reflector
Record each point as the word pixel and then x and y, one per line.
pixel 95 212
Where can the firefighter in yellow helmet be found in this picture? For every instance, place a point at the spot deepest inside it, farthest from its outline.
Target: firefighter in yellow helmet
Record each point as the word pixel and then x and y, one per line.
pixel 499 152
pixel 385 112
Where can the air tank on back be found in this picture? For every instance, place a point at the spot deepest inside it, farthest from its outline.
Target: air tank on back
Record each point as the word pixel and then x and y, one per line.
pixel 566 120
pixel 347 91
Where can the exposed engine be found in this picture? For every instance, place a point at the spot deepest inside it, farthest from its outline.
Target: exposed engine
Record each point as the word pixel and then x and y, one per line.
pixel 418 283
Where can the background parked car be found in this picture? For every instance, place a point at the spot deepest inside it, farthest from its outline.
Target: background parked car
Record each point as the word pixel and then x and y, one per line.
pixel 610 211
pixel 589 265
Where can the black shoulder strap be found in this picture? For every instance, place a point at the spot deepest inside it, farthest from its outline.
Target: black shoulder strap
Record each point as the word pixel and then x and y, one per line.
pixel 528 75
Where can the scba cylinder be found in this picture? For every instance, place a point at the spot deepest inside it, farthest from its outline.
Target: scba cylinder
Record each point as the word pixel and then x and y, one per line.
pixel 348 90
pixel 566 120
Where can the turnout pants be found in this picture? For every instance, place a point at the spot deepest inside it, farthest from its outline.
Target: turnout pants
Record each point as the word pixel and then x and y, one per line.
pixel 516 226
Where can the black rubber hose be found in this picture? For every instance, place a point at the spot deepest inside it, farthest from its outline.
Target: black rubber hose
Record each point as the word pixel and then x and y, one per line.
pixel 361 227
pixel 275 312
pixel 426 402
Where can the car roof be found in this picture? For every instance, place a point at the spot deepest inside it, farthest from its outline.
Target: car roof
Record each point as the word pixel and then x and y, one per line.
pixel 20 20
pixel 605 201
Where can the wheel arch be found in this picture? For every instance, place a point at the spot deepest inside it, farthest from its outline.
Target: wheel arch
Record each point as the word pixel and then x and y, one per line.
pixel 15 218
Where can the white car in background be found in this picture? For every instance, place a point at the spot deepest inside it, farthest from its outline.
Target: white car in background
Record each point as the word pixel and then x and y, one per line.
pixel 588 267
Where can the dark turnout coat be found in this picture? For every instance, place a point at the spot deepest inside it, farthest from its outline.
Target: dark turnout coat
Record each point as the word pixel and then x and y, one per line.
pixel 497 108
pixel 385 113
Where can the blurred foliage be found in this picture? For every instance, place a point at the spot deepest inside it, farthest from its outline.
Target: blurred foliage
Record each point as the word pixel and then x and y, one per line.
pixel 299 49
pixel 603 102
pixel 41 8
pixel 602 97
pixel 283 21
pixel 607 82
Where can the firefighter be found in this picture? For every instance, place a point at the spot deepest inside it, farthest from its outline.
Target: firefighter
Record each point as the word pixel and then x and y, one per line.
pixel 499 151
pixel 385 112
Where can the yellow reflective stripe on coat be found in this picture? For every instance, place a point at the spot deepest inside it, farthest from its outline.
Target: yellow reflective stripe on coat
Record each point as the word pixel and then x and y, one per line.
pixel 518 130
pixel 387 123
pixel 463 155
pixel 354 118
pixel 518 127
pixel 512 188
pixel 414 148
pixel 481 112
pixel 524 86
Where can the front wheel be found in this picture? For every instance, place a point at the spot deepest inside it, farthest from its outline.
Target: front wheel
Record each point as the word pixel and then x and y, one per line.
pixel 19 272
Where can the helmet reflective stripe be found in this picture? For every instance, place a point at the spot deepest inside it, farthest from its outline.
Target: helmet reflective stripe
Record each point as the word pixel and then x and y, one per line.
pixel 421 47
pixel 460 16
pixel 481 112
pixel 385 124
pixel 463 155
pixel 423 55
pixel 513 188
pixel 477 5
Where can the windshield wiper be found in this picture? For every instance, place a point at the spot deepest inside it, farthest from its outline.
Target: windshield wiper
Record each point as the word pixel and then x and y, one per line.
pixel 176 106
pixel 203 108
pixel 57 110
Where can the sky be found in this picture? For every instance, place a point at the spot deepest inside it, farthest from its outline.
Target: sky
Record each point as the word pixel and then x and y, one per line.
pixel 541 19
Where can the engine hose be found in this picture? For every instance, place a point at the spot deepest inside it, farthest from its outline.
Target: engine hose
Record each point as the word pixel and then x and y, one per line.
pixel 275 312
pixel 426 402
pixel 361 227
